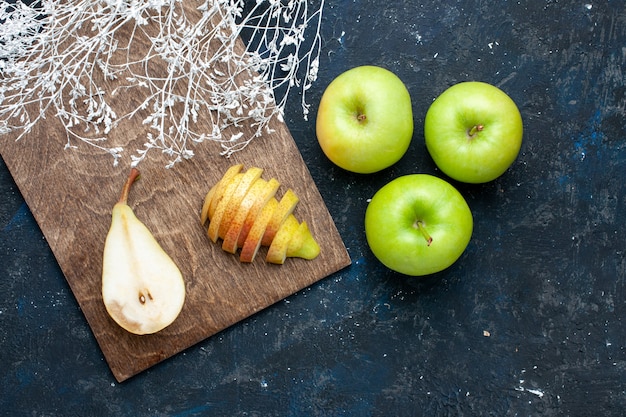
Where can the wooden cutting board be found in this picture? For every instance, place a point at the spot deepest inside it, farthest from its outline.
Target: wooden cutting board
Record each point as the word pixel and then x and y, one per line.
pixel 71 194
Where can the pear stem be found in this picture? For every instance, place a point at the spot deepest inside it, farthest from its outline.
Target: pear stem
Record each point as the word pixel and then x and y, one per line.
pixel 134 174
pixel 420 226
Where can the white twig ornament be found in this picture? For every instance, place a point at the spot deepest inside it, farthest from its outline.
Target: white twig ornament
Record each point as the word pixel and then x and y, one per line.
pixel 57 57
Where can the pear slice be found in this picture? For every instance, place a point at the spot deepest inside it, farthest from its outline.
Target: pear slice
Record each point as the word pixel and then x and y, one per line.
pixel 234 228
pixel 292 240
pixel 268 193
pixel 286 206
pixel 255 236
pixel 224 200
pixel 142 288
pixel 302 244
pixel 204 213
pixel 257 196
pixel 216 192
pixel 247 179
pixel 277 252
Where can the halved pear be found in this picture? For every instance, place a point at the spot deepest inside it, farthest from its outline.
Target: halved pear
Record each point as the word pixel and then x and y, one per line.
pixel 286 206
pixel 142 288
pixel 277 252
pixel 248 178
pixel 255 236
pixel 224 200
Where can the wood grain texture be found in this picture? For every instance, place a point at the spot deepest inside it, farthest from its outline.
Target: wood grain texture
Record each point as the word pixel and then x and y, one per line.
pixel 71 194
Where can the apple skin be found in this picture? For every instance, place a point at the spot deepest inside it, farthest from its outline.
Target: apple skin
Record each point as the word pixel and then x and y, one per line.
pixel 393 234
pixel 365 120
pixel 487 154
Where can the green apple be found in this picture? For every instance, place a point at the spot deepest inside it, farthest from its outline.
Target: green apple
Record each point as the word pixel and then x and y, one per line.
pixel 418 224
pixel 365 120
pixel 473 132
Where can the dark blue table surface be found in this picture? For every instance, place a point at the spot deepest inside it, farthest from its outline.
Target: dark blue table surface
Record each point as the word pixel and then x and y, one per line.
pixel 530 321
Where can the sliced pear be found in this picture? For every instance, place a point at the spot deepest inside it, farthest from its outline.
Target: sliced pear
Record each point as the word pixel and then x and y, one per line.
pixel 258 195
pixel 142 288
pixel 255 236
pixel 270 191
pixel 286 206
pixel 292 240
pixel 242 210
pixel 216 193
pixel 277 252
pixel 230 238
pixel 204 213
pixel 302 244
pixel 247 179
pixel 215 219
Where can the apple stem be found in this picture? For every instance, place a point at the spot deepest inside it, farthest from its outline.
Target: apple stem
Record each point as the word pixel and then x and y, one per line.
pixel 474 130
pixel 421 228
pixel 134 174
pixel 361 117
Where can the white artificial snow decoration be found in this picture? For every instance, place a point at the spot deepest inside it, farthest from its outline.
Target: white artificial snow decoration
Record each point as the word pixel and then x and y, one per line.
pixel 57 55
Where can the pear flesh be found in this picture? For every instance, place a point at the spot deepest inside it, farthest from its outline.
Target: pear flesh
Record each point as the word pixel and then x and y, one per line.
pixel 142 288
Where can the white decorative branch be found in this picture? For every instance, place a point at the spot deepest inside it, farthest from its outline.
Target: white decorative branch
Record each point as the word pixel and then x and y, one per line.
pixel 57 57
